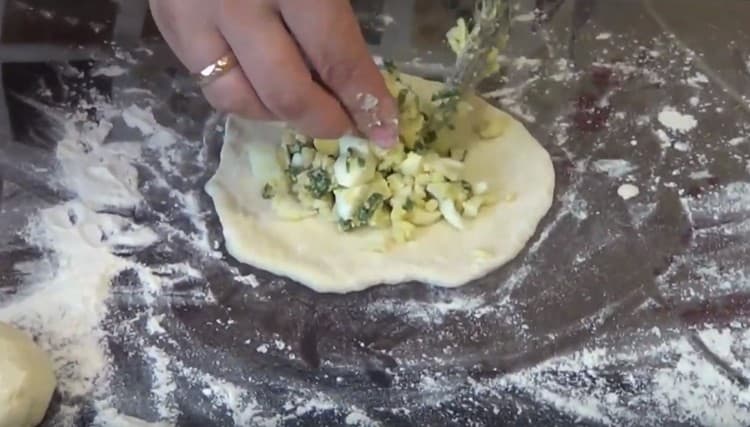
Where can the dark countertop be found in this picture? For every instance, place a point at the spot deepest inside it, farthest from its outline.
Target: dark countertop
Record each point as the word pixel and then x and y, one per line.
pixel 625 312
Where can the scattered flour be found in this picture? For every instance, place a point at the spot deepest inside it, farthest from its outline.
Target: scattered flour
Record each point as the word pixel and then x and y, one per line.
pixel 369 101
pixel 681 146
pixel 737 140
pixel 141 119
pixel 701 174
pixel 249 279
pixel 664 139
pixel 524 17
pixel 697 80
pixel 111 418
pixel 615 168
pixel 359 419
pixel 386 19
pixel 109 71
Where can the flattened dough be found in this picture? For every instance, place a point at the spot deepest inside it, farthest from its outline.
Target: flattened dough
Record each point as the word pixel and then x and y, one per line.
pixel 316 254
pixel 27 379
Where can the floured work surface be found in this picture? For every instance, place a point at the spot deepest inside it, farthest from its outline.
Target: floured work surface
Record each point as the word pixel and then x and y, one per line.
pixel 619 312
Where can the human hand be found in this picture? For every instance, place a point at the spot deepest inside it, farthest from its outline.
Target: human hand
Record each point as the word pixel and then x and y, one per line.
pixel 302 62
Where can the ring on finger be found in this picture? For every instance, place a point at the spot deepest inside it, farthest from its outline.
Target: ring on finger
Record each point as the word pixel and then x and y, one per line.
pixel 216 69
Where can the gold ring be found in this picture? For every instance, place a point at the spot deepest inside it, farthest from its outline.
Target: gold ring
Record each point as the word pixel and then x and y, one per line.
pixel 216 69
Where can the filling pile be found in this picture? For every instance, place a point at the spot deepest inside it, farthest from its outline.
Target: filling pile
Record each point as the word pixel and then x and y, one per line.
pixel 356 184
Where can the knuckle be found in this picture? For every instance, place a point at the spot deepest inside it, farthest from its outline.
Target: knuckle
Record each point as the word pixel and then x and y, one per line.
pixel 287 104
pixel 338 72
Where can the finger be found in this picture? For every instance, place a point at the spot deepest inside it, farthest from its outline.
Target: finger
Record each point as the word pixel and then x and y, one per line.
pixel 197 43
pixel 337 50
pixel 272 61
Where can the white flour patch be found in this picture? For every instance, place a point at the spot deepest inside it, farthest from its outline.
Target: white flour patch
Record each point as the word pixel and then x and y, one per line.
pixel 628 191
pixel 737 141
pixel 359 419
pixel 385 19
pixel 697 80
pixel 717 402
pixel 524 17
pixel 701 174
pixel 153 325
pixel 112 418
pixel 164 385
pixel 663 138
pixel 141 119
pixel 66 310
pixel 524 62
pixel 429 312
pixel 676 121
pixel 603 36
pixel 66 305
pixel 615 168
pixel 109 71
pixel 249 280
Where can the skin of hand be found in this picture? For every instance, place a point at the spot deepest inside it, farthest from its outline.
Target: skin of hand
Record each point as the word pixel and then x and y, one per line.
pixel 302 62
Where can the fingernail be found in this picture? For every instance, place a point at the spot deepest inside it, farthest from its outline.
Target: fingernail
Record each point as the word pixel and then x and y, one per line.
pixel 385 135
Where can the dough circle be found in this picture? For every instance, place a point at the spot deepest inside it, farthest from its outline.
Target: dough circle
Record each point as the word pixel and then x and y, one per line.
pixel 314 253
pixel 27 379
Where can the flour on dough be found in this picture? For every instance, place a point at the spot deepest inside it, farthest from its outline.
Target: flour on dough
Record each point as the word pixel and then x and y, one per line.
pixel 316 254
pixel 27 379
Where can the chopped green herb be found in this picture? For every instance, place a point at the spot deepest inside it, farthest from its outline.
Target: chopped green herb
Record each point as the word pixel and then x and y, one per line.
pixel 346 225
pixel 293 172
pixel 467 187
pixel 268 191
pixel 361 162
pixel 320 183
pixel 408 205
pixel 367 210
pixel 402 95
pixel 445 94
pixel 390 66
pixel 430 136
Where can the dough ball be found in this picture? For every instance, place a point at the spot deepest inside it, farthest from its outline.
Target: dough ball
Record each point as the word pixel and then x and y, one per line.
pixel 27 379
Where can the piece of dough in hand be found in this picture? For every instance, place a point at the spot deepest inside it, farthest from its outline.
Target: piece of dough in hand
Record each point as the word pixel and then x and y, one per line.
pixel 315 253
pixel 27 379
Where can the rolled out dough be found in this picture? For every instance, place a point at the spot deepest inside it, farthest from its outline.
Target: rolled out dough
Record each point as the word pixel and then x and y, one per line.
pixel 27 379
pixel 316 254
